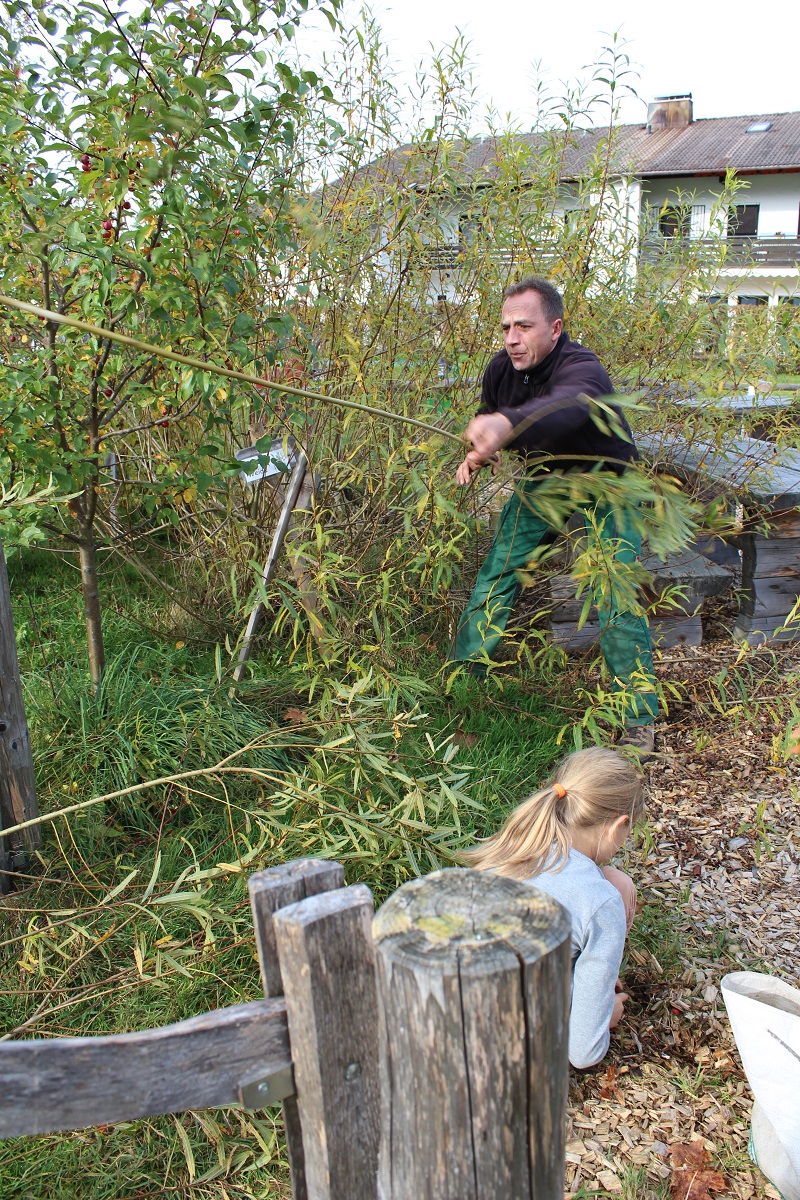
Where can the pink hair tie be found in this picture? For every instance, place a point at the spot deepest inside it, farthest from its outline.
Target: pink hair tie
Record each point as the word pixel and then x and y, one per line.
pixel 559 790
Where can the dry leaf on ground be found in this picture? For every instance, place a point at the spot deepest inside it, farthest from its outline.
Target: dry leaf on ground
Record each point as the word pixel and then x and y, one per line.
pixel 462 738
pixel 692 1176
pixel 608 1083
pixel 295 716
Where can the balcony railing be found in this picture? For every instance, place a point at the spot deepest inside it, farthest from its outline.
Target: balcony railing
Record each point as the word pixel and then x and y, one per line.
pixel 445 257
pixel 450 256
pixel 741 251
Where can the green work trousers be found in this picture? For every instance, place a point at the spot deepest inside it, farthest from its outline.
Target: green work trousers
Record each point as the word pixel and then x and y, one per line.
pixel 624 636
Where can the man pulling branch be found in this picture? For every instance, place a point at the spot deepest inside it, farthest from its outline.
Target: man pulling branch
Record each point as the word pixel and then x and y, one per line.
pixel 535 399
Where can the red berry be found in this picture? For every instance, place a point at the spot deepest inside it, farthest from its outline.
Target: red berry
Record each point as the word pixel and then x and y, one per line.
pixel 126 204
pixel 163 424
pixel 85 160
pixel 86 166
pixel 108 223
pixel 108 392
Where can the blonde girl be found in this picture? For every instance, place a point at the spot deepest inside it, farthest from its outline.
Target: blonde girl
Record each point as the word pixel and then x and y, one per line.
pixel 559 840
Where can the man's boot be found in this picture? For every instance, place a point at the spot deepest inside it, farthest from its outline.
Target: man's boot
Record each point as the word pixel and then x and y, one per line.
pixel 639 740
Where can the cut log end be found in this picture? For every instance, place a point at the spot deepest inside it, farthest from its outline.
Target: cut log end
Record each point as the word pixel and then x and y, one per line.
pixel 459 912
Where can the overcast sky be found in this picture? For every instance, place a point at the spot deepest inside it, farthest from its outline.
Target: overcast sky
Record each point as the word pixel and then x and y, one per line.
pixel 734 58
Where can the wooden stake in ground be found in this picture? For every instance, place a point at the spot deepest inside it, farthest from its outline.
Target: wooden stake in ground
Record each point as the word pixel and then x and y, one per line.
pixel 297 499
pixel 17 787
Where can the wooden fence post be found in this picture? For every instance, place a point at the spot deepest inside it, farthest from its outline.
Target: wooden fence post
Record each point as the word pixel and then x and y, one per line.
pixel 328 967
pixel 270 890
pixel 17 787
pixel 474 993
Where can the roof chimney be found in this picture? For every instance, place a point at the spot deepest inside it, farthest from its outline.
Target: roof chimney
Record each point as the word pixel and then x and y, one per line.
pixel 670 112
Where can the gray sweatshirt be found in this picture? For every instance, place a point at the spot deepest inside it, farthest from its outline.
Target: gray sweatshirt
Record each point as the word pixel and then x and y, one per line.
pixel 598 940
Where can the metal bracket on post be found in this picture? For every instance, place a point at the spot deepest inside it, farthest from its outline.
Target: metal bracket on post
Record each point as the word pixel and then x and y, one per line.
pixel 262 1090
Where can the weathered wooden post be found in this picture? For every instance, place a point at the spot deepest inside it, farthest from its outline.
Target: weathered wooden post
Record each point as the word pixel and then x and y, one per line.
pixel 17 788
pixel 474 995
pixel 328 968
pixel 270 890
pixel 314 938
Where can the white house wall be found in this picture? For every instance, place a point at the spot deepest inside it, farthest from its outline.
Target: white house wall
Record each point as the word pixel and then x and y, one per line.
pixel 629 201
pixel 778 197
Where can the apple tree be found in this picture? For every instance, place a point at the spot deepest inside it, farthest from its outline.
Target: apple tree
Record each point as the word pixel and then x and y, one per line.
pixel 147 171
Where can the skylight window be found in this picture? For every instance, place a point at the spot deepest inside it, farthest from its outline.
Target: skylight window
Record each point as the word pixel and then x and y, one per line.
pixel 759 127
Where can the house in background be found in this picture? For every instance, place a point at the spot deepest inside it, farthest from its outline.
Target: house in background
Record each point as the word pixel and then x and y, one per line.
pixel 669 175
pixel 674 155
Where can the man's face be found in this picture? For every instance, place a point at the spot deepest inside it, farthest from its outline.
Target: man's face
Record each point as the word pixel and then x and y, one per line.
pixel 528 335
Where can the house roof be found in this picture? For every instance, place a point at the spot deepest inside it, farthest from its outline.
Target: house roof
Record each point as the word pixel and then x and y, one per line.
pixel 713 144
pixel 707 146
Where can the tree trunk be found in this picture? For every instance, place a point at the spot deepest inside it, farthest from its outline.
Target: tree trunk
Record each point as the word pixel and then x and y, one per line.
pixel 17 788
pixel 91 605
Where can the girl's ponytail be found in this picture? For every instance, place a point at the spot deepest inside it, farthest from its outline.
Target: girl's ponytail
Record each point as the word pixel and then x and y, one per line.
pixel 533 838
pixel 590 788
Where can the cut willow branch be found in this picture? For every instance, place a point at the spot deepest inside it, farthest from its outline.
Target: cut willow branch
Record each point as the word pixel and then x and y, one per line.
pixel 220 768
pixel 215 369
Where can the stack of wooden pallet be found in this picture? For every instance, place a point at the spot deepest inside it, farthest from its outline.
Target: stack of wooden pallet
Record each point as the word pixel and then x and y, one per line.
pixel 770 581
pixel 680 585
pixel 765 480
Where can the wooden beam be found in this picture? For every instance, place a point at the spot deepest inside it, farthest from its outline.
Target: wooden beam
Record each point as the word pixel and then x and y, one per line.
pixel 71 1083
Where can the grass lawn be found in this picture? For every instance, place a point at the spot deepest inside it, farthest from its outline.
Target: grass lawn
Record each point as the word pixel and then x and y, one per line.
pixel 136 912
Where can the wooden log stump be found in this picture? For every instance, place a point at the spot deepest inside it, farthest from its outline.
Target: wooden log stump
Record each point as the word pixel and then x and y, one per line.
pixel 474 987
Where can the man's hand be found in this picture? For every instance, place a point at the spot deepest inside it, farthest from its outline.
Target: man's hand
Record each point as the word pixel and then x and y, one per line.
pixel 472 463
pixel 487 432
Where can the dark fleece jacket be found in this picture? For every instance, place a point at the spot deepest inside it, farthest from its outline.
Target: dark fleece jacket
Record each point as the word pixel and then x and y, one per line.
pixel 558 388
